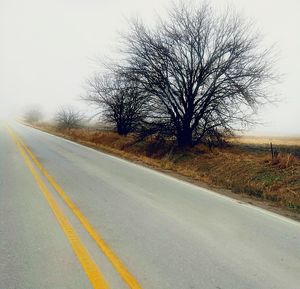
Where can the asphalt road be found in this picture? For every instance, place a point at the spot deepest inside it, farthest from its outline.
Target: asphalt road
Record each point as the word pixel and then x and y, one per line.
pixel 167 233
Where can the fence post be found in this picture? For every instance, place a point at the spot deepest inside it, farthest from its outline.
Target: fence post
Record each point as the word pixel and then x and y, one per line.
pixel 272 151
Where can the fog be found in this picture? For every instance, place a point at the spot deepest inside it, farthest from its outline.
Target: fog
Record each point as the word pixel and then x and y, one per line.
pixel 47 50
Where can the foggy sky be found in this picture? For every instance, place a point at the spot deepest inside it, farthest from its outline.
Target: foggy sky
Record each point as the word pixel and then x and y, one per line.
pixel 46 47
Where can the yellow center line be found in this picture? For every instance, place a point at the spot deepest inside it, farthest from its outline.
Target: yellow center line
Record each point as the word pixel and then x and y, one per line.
pixel 128 278
pixel 94 275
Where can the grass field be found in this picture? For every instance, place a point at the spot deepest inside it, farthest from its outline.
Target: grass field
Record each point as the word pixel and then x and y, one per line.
pixel 245 167
pixel 262 144
pixel 256 140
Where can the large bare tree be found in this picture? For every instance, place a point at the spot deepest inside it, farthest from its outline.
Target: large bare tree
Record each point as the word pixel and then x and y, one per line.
pixel 204 71
pixel 119 100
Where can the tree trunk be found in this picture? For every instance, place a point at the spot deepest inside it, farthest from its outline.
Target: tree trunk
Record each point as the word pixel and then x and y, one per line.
pixel 121 129
pixel 185 138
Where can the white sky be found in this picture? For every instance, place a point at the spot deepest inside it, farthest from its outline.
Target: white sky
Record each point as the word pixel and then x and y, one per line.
pixel 46 48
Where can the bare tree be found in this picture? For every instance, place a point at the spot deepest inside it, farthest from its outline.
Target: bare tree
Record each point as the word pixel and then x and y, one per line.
pixel 68 117
pixel 119 100
pixel 205 72
pixel 33 115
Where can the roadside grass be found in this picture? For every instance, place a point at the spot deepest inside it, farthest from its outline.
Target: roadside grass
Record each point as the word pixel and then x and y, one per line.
pixel 238 167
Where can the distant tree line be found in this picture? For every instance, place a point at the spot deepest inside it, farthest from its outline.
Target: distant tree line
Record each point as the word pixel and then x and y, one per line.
pixel 67 117
pixel 193 77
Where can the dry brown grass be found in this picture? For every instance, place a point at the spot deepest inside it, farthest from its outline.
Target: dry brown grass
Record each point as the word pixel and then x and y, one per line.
pixel 243 172
pixel 257 140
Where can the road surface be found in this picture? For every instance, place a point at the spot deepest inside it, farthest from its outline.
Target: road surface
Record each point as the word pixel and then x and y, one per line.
pixel 157 232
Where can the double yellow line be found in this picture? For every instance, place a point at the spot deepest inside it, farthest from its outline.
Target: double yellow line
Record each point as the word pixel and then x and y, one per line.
pixel 93 273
